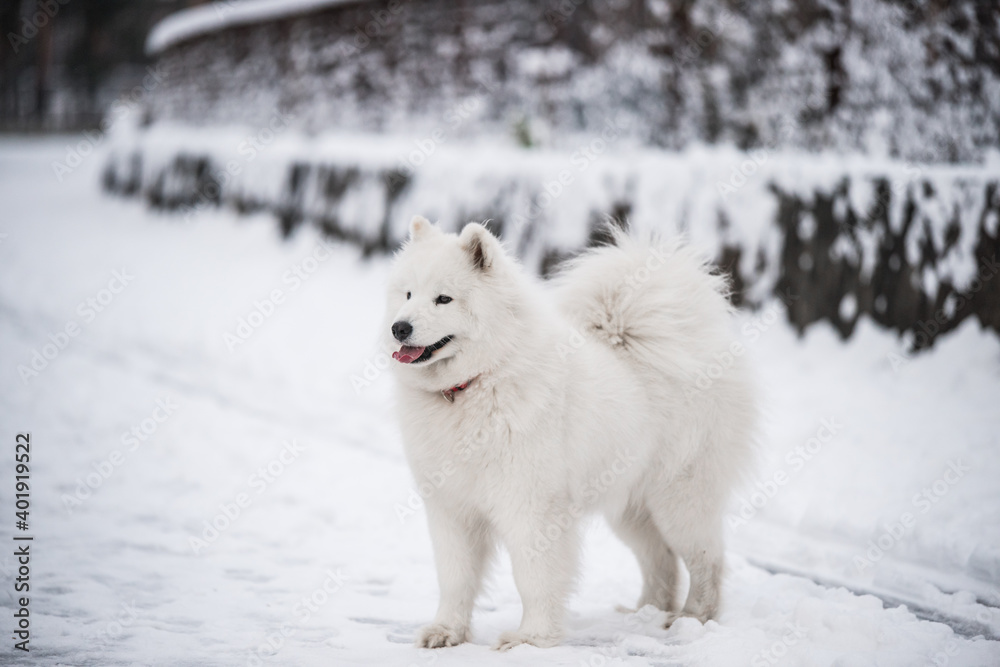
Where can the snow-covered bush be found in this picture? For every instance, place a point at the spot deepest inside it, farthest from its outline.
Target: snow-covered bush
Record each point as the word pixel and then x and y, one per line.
pixel 916 80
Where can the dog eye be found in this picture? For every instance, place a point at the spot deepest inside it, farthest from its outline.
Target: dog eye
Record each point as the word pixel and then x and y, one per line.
pixel 407 296
pixel 442 299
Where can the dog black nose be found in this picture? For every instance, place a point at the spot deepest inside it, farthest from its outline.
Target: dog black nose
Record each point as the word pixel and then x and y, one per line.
pixel 402 330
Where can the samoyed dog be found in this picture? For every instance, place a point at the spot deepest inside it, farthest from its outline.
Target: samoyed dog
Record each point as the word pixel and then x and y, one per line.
pixel 614 389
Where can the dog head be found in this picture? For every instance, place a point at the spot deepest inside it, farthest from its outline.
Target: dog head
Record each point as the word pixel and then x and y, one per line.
pixel 445 304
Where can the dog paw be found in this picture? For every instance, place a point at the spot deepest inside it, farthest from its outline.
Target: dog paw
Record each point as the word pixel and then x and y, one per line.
pixel 509 640
pixel 437 635
pixel 673 616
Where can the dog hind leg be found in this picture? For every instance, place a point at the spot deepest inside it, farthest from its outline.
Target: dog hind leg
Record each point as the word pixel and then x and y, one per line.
pixel 691 518
pixel 657 562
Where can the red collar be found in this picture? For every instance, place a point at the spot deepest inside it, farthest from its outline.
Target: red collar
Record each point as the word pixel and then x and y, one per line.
pixel 449 394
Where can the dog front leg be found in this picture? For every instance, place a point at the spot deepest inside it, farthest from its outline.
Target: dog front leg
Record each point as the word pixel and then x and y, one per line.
pixel 544 556
pixel 462 548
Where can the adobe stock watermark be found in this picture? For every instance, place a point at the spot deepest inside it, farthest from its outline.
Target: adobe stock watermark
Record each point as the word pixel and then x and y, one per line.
pixel 88 310
pixel 795 459
pixel 113 630
pixel 658 256
pixel 119 110
pixel 464 451
pixel 372 371
pixel 751 331
pixel 294 277
pixel 756 158
pixel 774 653
pixel 34 22
pixel 923 501
pixel 581 159
pixel 131 440
pixel 573 344
pixel 426 147
pixel 591 492
pixel 259 481
pixel 741 174
pixel 606 656
pixel 302 611
pixel 363 35
pixel 943 657
pixel 249 147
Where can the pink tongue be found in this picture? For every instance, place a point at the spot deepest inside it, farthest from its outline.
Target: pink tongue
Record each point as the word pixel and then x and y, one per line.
pixel 407 354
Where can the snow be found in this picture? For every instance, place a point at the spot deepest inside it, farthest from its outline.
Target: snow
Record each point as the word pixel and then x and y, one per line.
pixel 116 580
pixel 220 14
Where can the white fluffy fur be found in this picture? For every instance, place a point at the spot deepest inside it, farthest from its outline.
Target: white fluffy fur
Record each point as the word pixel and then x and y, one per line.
pixel 584 400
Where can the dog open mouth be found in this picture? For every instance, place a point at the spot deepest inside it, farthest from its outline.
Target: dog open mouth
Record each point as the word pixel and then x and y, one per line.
pixel 415 355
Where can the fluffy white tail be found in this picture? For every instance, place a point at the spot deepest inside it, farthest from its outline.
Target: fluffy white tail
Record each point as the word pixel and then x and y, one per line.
pixel 656 303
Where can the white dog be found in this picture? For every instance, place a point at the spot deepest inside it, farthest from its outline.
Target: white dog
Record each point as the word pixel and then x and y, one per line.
pixel 618 389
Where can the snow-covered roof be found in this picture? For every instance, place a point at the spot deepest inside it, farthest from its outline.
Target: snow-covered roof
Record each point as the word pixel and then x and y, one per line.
pixel 220 14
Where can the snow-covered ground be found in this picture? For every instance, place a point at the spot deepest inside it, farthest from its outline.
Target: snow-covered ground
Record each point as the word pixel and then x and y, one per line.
pixel 877 485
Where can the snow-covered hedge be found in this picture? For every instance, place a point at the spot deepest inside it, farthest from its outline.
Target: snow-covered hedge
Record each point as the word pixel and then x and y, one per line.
pixel 914 247
pixel 914 80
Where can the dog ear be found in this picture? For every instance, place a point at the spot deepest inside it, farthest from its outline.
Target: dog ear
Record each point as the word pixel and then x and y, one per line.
pixel 421 227
pixel 480 244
